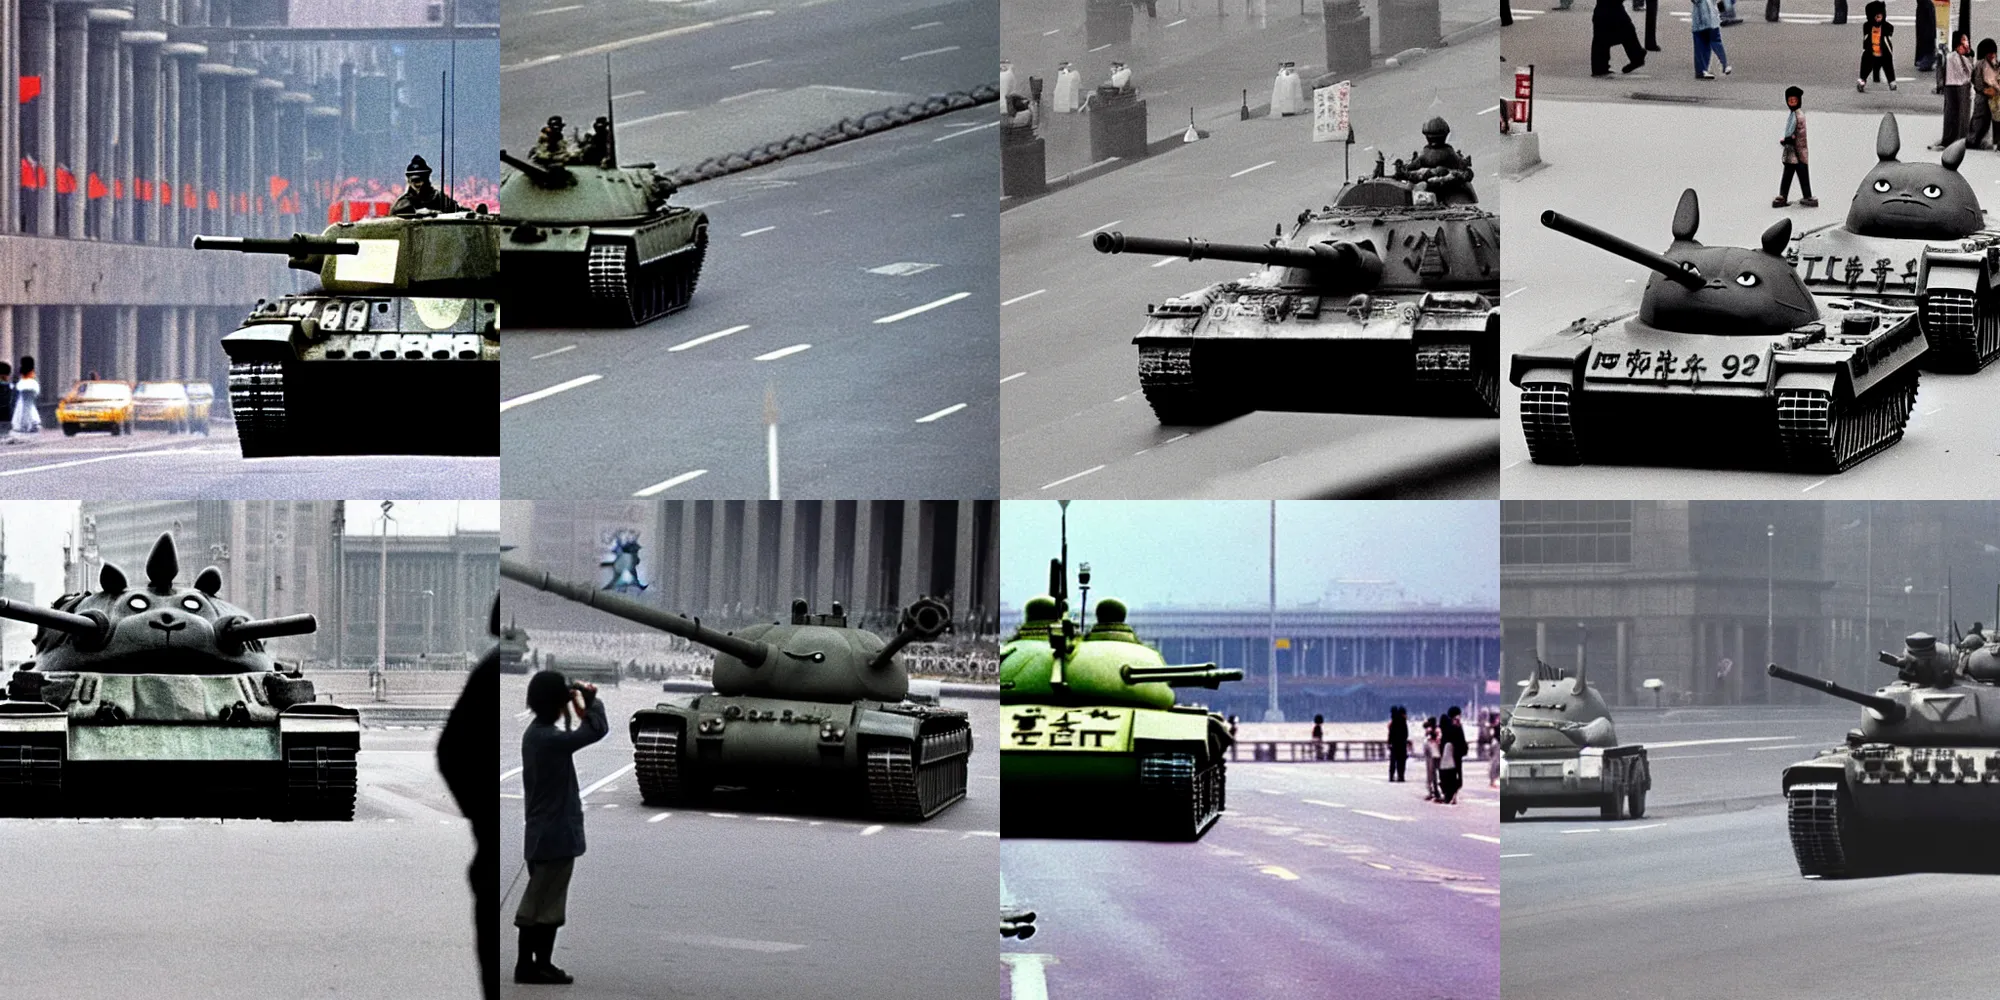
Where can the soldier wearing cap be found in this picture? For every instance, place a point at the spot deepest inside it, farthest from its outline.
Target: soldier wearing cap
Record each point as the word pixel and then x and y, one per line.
pixel 551 148
pixel 597 145
pixel 420 195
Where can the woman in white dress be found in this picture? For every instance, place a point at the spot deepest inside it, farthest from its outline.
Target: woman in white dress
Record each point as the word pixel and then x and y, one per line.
pixel 27 420
pixel 1288 96
pixel 1068 83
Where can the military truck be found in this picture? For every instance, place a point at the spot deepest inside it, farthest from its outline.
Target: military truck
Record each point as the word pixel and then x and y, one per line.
pixel 1558 749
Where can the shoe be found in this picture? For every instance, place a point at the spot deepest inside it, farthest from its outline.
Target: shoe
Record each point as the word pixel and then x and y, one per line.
pixel 1892 85
pixel 1808 202
pixel 552 975
pixel 1727 69
pixel 1634 64
pixel 1704 76
pixel 1654 48
pixel 1780 202
pixel 1603 74
pixel 1860 86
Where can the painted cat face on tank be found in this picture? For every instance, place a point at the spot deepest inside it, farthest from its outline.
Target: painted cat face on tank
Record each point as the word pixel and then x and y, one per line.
pixel 1914 200
pixel 1745 290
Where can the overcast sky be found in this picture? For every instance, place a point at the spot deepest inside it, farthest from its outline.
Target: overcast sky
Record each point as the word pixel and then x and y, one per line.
pixel 1155 552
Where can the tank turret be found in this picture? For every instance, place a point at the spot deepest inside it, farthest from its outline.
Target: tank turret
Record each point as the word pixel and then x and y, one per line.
pixel 1930 201
pixel 1335 266
pixel 544 175
pixel 1887 709
pixel 1557 714
pixel 306 253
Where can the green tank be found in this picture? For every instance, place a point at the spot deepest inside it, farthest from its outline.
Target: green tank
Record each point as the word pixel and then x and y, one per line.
pixel 1560 750
pixel 595 243
pixel 159 699
pixel 396 351
pixel 513 649
pixel 1922 770
pixel 811 705
pixel 1092 740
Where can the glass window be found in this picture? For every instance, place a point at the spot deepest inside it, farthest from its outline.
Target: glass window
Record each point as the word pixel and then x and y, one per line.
pixel 1565 532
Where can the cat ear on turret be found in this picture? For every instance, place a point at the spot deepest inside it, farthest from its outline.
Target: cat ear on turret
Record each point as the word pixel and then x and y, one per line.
pixel 163 565
pixel 1954 154
pixel 111 579
pixel 1777 236
pixel 1888 141
pixel 1687 216
pixel 209 581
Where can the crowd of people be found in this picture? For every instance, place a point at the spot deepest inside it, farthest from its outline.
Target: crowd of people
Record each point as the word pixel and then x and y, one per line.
pixel 1444 751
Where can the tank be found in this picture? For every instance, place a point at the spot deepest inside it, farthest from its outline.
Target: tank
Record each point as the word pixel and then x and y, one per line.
pixel 513 649
pixel 1731 349
pixel 1395 286
pixel 812 705
pixel 1922 769
pixel 595 669
pixel 1095 744
pixel 395 351
pixel 1915 236
pixel 155 698
pixel 1559 749
pixel 595 243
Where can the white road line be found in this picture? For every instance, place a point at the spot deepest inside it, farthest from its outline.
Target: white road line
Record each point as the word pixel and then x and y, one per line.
pixel 1012 377
pixel 1392 819
pixel 946 412
pixel 667 484
pixel 1629 829
pixel 629 93
pixel 782 352
pixel 601 782
pixel 1176 437
pixel 706 337
pixel 747 65
pixel 1515 292
pixel 1080 475
pixel 509 795
pixel 1815 486
pixel 740 944
pixel 1511 464
pixel 1786 746
pixel 1099 229
pixel 537 394
pixel 723 816
pixel 1030 295
pixel 1058 31
pixel 1282 874
pixel 1709 743
pixel 979 833
pixel 628 123
pixel 928 52
pixel 551 354
pixel 748 93
pixel 1482 838
pixel 1101 48
pixel 871 831
pixel 1490 110
pixel 1027 979
pixel 926 307
pixel 1321 802
pixel 967 131
pixel 1252 170
pixel 777 819
pixel 658 817
pixel 1506 856
pixel 926 24
pixel 1176 24
pixel 1164 262
pixel 135 453
pixel 504 775
pixel 555 10
pixel 754 232
pixel 1586 830
pixel 686 29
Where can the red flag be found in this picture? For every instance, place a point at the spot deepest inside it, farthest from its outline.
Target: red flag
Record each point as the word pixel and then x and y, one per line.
pixel 65 181
pixel 166 190
pixel 382 209
pixel 118 188
pixel 214 202
pixel 278 185
pixel 142 189
pixel 31 88
pixel 31 175
pixel 187 195
pixel 332 212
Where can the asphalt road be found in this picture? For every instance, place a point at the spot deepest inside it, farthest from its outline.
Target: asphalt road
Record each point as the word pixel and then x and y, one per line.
pixel 1951 448
pixel 1073 421
pixel 1702 897
pixel 1321 880
pixel 155 464
pixel 149 908
pixel 751 899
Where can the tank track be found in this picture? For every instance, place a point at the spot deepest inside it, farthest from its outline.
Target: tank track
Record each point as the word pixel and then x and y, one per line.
pixel 656 760
pixel 257 398
pixel 1963 337
pixel 1813 815
pixel 1547 419
pixel 1183 801
pixel 665 286
pixel 900 786
pixel 1450 367
pixel 30 778
pixel 1822 433
pixel 319 783
pixel 1166 376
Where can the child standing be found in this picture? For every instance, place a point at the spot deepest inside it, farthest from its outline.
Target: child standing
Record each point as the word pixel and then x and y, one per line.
pixel 1878 57
pixel 1793 142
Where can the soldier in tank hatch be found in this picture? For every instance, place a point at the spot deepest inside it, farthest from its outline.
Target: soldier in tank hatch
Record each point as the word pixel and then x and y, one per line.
pixel 420 195
pixel 551 147
pixel 554 837
pixel 597 145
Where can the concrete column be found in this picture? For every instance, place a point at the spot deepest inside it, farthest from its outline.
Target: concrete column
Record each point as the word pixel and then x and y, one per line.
pixel 38 58
pixel 1541 641
pixel 907 587
pixel 27 334
pixel 1624 683
pixel 146 163
pixel 64 364
pixel 7 331
pixel 687 560
pixel 1697 680
pixel 719 596
pixel 12 30
pixel 829 535
pixel 102 134
pixel 1735 687
pixel 182 139
pixel 292 143
pixel 264 154
pixel 862 587
pixel 126 345
pixel 788 553
pixel 212 203
pixel 72 96
pixel 324 150
pixel 962 560
pixel 240 140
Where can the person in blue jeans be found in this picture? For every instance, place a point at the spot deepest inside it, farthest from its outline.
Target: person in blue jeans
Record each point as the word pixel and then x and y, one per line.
pixel 1706 26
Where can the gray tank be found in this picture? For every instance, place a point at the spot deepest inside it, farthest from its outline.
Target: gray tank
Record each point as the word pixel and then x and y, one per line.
pixel 1559 749
pixel 1923 768
pixel 1726 340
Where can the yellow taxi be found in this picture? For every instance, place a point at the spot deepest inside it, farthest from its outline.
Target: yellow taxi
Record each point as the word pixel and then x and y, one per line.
pixel 96 405
pixel 201 402
pixel 163 403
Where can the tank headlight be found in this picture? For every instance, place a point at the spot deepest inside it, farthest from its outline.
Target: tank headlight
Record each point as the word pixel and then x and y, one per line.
pixel 1590 766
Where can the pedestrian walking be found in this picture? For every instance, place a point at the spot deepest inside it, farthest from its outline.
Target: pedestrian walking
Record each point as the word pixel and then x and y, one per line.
pixel 1399 743
pixel 1793 144
pixel 1449 775
pixel 1957 89
pixel 554 836
pixel 1431 759
pixel 1454 732
pixel 1707 29
pixel 1878 54
pixel 1493 753
pixel 1610 26
pixel 6 395
pixel 1926 36
pixel 1728 9
pixel 1652 25
pixel 27 420
pixel 1985 95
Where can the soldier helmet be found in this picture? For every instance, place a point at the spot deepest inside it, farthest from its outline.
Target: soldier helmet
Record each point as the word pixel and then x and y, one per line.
pixel 417 168
pixel 603 121
pixel 555 121
pixel 1436 130
pixel 1921 641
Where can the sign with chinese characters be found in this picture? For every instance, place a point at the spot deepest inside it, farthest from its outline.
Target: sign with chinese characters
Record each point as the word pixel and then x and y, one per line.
pixel 1330 112
pixel 1048 727
pixel 1667 366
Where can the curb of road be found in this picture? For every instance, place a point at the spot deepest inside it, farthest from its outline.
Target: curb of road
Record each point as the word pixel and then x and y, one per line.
pixel 403 715
pixel 851 127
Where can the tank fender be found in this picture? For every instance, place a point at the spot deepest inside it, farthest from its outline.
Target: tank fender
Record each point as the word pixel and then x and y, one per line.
pixel 32 717
pixel 532 237
pixel 1559 362
pixel 267 341
pixel 1951 270
pixel 873 722
pixel 1178 726
pixel 1823 379
pixel 1819 770
pixel 319 719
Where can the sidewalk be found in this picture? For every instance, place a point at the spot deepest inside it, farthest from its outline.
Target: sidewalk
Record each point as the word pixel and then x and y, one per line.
pixel 1188 57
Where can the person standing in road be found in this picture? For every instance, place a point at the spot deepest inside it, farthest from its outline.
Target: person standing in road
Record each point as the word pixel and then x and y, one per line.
pixel 1793 142
pixel 1985 87
pixel 1707 30
pixel 1399 743
pixel 1454 733
pixel 1431 759
pixel 1449 775
pixel 554 837
pixel 1611 26
pixel 6 396
pixel 1957 89
pixel 1926 28
pixel 26 388
pixel 1878 55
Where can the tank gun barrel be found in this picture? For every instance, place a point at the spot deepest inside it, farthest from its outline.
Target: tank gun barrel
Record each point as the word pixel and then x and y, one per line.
pixel 296 245
pixel 245 630
pixel 1192 675
pixel 926 618
pixel 751 653
pixel 535 171
pixel 86 629
pixel 1890 710
pixel 1325 260
pixel 1667 267
pixel 1883 656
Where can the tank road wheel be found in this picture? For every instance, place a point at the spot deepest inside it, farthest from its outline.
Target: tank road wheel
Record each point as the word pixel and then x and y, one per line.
pixel 319 783
pixel 611 285
pixel 1178 802
pixel 1167 376
pixel 1827 838
pixel 1832 431
pixel 1458 372
pixel 1635 803
pixel 1547 412
pixel 30 778
pixel 901 786
pixel 257 397
pixel 1510 813
pixel 656 760
pixel 1612 807
pixel 1963 337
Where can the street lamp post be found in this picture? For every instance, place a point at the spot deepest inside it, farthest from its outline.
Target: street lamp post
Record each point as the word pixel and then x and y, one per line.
pixel 382 603
pixel 1770 593
pixel 429 597
pixel 1273 713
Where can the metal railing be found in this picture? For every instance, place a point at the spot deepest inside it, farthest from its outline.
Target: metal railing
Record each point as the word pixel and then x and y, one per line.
pixel 1319 751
